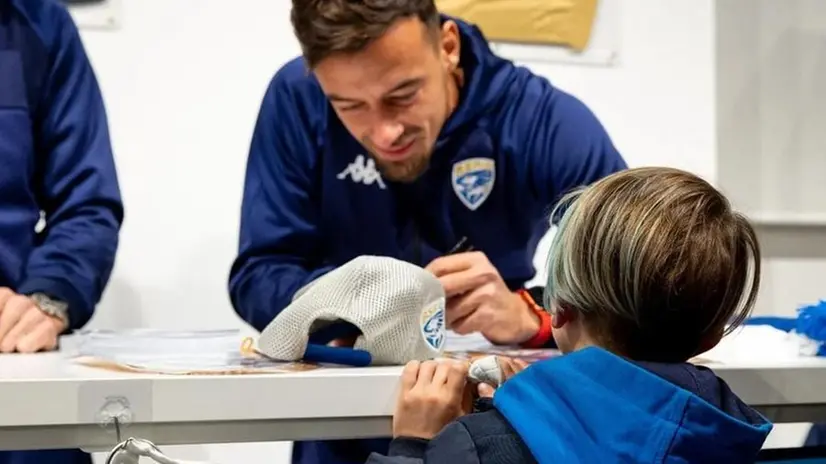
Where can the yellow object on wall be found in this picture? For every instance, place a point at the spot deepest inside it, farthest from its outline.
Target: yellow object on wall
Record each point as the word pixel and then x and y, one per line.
pixel 550 22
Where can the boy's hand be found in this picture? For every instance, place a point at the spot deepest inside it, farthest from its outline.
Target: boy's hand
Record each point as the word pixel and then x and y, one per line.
pixel 433 394
pixel 510 367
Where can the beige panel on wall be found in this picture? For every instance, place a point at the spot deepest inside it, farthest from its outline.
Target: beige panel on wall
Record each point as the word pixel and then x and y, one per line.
pixel 552 22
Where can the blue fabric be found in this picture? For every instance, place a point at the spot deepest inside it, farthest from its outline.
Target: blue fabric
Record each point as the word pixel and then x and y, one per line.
pixel 72 456
pixel 786 324
pixel 800 461
pixel 816 436
pixel 592 406
pixel 55 157
pixel 569 421
pixel 811 322
pixel 299 219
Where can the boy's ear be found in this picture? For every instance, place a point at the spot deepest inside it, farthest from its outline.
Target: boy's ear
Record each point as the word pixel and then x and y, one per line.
pixel 562 316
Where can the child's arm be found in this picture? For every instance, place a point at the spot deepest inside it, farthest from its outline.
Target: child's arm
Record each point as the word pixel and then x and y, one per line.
pixel 433 394
pixel 453 445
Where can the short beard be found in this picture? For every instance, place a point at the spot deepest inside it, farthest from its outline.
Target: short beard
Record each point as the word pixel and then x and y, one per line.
pixel 405 172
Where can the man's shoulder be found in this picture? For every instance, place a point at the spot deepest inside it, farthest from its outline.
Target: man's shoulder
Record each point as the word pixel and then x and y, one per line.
pixel 296 78
pixel 294 72
pixel 37 32
pixel 538 112
pixel 530 96
pixel 47 19
pixel 525 100
pixel 295 91
pixel 495 440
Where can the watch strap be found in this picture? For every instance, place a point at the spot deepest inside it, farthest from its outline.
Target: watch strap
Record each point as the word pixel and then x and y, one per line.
pixel 545 332
pixel 52 306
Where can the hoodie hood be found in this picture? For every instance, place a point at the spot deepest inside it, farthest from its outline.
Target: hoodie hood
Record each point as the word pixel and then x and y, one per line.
pixel 593 406
pixel 487 78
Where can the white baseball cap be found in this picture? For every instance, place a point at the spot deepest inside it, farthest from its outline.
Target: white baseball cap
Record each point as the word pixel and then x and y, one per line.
pixel 395 309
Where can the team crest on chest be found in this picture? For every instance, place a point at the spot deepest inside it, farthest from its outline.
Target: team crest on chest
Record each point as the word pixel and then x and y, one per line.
pixel 472 180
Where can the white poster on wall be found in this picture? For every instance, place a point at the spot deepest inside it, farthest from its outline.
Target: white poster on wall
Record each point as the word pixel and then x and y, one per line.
pixel 95 14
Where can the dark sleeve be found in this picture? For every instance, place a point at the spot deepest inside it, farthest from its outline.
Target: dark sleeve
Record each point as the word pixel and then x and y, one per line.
pixel 559 140
pixel 453 445
pixel 76 182
pixel 280 241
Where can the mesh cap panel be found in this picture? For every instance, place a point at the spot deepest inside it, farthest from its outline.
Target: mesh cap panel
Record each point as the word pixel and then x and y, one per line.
pixel 398 307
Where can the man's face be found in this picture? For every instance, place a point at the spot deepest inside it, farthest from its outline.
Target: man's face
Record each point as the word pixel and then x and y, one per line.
pixel 395 95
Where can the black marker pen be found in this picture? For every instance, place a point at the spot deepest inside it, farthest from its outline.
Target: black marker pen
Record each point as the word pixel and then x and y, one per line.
pixel 461 246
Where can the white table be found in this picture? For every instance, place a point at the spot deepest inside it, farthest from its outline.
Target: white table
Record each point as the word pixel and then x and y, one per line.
pixel 48 402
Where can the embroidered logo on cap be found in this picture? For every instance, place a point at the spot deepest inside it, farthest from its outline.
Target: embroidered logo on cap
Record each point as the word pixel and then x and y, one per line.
pixel 433 324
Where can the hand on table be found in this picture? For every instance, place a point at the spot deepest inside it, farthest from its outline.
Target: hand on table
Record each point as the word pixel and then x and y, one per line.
pixel 433 394
pixel 24 327
pixel 479 300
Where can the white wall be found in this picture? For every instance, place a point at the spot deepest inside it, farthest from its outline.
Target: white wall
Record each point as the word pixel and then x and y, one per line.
pixel 772 146
pixel 771 152
pixel 183 79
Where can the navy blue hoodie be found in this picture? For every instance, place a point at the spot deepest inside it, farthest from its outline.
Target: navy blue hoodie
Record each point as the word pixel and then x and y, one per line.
pixel 313 200
pixel 55 158
pixel 594 407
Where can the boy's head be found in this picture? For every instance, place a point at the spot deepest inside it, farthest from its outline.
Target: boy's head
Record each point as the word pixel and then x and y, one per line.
pixel 652 264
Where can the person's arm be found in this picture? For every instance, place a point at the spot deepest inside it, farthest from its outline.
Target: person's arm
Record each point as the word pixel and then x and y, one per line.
pixel 453 445
pixel 564 146
pixel 75 178
pixel 280 241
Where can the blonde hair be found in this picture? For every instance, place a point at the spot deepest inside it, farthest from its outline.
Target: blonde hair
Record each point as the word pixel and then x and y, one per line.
pixel 655 262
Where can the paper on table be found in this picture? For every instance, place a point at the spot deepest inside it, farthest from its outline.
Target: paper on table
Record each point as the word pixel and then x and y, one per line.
pixel 474 341
pixel 218 352
pixel 474 346
pixel 212 352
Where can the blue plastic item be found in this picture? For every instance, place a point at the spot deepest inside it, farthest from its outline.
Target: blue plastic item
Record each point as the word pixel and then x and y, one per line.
pixel 319 351
pixel 811 322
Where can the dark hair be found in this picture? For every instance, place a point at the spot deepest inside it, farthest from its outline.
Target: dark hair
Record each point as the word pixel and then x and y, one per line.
pixel 324 27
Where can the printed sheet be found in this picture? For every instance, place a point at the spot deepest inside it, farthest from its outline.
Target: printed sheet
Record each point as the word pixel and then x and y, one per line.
pixel 148 351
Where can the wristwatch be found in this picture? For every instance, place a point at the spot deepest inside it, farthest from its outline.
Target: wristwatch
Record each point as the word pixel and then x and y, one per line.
pixel 544 335
pixel 52 306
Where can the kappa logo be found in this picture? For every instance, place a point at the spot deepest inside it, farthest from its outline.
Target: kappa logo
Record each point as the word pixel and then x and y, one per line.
pixel 363 170
pixel 433 325
pixel 473 181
